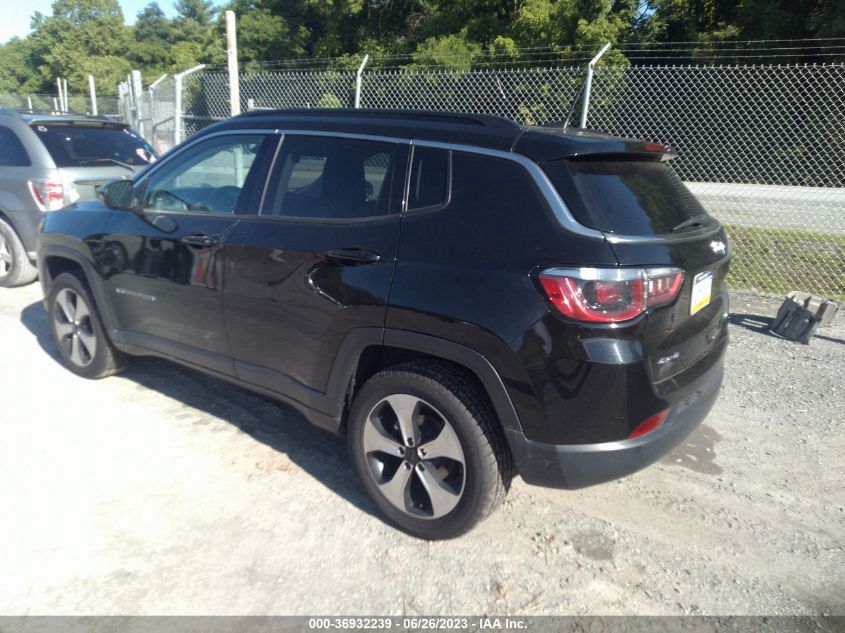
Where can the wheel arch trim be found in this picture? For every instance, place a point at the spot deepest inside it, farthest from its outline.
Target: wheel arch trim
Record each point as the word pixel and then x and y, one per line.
pixel 88 270
pixel 352 349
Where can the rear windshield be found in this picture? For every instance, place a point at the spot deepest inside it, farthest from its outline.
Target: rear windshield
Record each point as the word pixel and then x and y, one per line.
pixel 633 197
pixel 84 146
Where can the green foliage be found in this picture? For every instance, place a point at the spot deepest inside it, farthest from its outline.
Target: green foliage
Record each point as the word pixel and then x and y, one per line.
pixel 17 72
pixel 153 28
pixel 777 261
pixel 454 52
pixel 90 36
pixel 329 100
pixel 80 36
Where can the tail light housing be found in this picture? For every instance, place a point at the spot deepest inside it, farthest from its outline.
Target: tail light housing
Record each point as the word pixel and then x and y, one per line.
pixel 609 295
pixel 51 194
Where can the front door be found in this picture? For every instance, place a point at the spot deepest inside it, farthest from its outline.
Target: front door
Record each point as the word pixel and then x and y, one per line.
pixel 316 263
pixel 164 263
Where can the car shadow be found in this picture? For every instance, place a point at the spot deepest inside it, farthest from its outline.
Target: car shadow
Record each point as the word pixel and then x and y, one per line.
pixel 275 424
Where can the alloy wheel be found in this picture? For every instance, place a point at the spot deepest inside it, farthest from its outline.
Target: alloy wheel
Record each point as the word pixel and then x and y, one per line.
pixel 414 456
pixel 74 327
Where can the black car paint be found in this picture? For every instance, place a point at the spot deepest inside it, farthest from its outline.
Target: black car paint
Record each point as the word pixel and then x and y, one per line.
pixel 275 312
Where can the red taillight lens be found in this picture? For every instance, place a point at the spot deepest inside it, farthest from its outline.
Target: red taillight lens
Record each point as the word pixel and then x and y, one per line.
pixel 650 424
pixel 609 295
pixel 49 193
pixel 663 287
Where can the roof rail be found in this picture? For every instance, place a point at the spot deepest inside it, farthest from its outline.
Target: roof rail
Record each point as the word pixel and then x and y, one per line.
pixel 432 116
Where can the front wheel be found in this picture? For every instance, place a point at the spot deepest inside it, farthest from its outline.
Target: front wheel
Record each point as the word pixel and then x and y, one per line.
pixel 428 450
pixel 78 333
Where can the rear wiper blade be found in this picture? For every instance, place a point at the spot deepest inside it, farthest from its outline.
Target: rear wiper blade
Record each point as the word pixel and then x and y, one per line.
pixel 696 220
pixel 113 161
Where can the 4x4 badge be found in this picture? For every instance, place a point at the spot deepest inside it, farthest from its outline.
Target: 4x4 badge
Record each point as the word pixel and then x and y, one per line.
pixel 718 247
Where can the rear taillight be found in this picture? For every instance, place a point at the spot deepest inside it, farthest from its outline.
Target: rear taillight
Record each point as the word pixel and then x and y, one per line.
pixel 49 193
pixel 609 295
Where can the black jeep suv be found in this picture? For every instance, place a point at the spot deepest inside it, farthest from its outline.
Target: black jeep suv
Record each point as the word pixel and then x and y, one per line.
pixel 463 297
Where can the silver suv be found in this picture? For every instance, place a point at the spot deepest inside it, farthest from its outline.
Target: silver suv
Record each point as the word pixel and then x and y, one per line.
pixel 48 161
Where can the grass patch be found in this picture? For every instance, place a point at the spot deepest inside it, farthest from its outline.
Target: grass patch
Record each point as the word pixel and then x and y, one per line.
pixel 777 261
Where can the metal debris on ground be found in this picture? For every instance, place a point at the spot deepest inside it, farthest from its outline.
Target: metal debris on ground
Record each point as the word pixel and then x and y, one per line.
pixel 800 315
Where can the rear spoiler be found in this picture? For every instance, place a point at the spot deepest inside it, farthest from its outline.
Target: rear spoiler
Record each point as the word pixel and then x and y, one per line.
pixel 87 122
pixel 635 150
pixel 552 142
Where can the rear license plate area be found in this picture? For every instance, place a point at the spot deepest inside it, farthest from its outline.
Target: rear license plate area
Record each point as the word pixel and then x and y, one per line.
pixel 702 290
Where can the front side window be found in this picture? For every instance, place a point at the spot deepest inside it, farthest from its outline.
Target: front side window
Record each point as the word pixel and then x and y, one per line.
pixel 317 177
pixel 207 178
pixel 12 152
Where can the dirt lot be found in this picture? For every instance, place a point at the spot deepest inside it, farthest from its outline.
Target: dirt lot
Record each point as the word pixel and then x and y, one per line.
pixel 165 491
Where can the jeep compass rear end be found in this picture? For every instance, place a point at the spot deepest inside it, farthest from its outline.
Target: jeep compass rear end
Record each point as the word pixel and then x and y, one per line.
pixel 463 298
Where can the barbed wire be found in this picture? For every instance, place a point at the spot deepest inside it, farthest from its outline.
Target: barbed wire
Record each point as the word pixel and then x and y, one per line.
pixel 692 49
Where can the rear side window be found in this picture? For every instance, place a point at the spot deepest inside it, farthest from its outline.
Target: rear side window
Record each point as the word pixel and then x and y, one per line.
pixel 633 197
pixel 89 146
pixel 12 153
pixel 317 177
pixel 430 178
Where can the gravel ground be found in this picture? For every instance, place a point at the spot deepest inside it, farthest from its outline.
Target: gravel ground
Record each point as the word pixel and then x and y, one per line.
pixel 164 491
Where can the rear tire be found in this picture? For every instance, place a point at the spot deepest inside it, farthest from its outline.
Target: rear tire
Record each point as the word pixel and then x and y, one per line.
pixel 452 471
pixel 78 333
pixel 15 267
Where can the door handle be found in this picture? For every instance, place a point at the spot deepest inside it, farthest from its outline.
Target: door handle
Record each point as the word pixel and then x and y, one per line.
pixel 200 239
pixel 355 255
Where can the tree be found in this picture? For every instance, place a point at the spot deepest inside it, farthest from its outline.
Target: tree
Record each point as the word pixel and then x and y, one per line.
pixel 828 19
pixel 17 71
pixel 82 36
pixel 193 19
pixel 153 27
pixel 79 37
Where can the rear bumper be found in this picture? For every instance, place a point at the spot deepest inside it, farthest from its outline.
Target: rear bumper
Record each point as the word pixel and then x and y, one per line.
pixel 579 465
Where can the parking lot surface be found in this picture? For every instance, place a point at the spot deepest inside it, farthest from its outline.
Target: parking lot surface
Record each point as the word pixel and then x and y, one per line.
pixel 165 491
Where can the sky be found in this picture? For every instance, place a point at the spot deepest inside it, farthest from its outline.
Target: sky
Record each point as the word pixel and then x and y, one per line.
pixel 16 14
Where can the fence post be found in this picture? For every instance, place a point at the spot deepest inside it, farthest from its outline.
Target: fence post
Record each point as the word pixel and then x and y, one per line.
pixel 138 91
pixel 588 84
pixel 122 105
pixel 177 102
pixel 152 89
pixel 177 108
pixel 232 62
pixel 93 90
pixel 358 81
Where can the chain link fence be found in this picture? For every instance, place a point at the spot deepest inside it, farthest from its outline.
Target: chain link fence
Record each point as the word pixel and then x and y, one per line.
pixel 763 147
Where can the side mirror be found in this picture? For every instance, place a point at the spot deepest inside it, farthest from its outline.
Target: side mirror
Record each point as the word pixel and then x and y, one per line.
pixel 117 195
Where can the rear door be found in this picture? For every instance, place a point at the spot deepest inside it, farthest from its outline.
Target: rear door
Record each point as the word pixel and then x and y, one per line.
pixel 164 263
pixel 652 219
pixel 316 263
